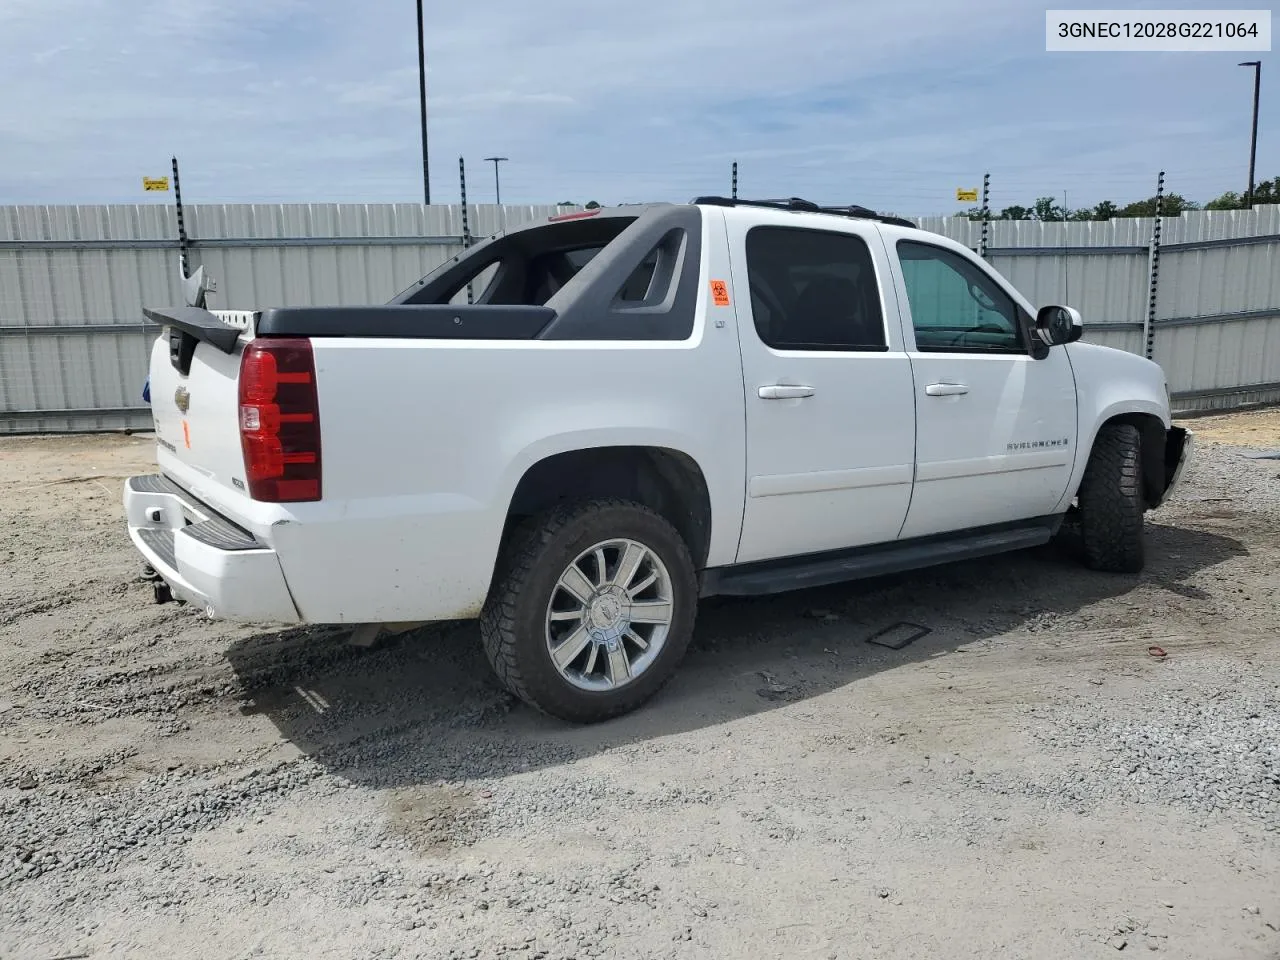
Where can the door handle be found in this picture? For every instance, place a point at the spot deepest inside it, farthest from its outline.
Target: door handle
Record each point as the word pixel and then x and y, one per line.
pixel 946 389
pixel 785 391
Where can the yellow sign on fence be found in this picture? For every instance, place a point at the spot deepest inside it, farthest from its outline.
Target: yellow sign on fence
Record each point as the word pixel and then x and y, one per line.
pixel 155 183
pixel 966 196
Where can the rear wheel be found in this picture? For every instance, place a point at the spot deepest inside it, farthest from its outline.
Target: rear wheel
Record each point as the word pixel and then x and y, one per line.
pixel 591 610
pixel 1111 504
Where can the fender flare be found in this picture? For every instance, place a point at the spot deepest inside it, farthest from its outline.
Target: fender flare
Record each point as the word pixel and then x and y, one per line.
pixel 1129 407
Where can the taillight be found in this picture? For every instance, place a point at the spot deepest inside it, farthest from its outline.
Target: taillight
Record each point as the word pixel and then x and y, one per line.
pixel 280 421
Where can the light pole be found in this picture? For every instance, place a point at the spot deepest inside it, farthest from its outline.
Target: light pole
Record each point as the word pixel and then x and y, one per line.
pixel 422 98
pixel 1253 144
pixel 497 185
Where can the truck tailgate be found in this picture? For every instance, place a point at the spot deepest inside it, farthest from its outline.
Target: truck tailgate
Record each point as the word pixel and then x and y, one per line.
pixel 195 406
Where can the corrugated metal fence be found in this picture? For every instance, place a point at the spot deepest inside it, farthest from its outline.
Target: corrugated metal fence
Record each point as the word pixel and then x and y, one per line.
pixel 74 279
pixel 1216 324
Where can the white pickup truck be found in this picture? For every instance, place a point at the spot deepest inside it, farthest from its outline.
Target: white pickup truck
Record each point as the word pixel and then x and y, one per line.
pixel 642 406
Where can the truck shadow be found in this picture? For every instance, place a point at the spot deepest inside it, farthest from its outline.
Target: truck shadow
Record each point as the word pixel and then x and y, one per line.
pixel 423 707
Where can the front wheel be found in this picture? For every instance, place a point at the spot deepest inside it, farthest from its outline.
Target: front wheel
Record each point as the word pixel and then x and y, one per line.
pixel 1111 505
pixel 591 610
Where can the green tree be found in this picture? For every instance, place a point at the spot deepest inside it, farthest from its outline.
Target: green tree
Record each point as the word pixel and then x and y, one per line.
pixel 1049 210
pixel 1046 208
pixel 1228 201
pixel 1172 205
pixel 1015 213
pixel 1268 191
pixel 1105 210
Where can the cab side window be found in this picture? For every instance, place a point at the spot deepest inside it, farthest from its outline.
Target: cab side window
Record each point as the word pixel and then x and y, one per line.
pixel 955 307
pixel 814 290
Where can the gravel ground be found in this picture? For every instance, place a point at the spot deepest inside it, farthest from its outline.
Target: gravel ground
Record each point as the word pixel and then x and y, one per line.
pixel 1025 781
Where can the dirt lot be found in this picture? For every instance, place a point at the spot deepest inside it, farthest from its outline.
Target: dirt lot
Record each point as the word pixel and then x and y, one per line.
pixel 1025 781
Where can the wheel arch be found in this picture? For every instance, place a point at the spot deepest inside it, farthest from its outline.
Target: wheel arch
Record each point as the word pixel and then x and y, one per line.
pixel 1151 428
pixel 1114 386
pixel 666 480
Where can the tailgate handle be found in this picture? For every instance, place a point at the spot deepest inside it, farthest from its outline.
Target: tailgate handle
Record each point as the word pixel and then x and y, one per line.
pixel 785 391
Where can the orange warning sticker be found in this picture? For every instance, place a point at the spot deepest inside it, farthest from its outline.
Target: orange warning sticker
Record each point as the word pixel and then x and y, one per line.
pixel 186 435
pixel 720 293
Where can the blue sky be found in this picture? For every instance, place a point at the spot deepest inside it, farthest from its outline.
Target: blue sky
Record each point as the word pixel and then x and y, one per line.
pixel 888 104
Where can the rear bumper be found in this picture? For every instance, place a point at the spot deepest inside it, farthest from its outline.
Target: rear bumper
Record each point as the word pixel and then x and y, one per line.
pixel 205 559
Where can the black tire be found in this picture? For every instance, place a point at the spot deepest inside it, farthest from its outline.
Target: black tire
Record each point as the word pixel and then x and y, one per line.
pixel 1111 504
pixel 512 624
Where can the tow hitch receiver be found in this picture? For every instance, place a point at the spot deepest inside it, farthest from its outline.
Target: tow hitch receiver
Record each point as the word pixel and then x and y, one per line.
pixel 160 591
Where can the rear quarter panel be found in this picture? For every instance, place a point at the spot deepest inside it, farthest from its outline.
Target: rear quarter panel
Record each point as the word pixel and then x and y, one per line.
pixel 425 441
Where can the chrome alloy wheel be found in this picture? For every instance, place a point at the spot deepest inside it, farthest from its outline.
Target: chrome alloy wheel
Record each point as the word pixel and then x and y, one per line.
pixel 609 615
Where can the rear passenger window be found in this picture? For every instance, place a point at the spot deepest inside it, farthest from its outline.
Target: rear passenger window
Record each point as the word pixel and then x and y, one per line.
pixel 813 290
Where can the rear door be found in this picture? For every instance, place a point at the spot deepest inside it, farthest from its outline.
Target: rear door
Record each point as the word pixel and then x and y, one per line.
pixel 829 404
pixel 996 427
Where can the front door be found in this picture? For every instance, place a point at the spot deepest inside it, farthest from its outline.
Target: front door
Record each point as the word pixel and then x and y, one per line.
pixel 996 427
pixel 830 414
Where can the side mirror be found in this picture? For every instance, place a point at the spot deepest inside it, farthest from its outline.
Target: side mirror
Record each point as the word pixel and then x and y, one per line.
pixel 1058 325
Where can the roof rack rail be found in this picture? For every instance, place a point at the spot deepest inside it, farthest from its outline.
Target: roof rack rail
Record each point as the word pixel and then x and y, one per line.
pixel 801 205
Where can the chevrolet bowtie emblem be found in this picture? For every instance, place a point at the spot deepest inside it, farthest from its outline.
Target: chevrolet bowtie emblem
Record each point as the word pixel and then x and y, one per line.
pixel 182 399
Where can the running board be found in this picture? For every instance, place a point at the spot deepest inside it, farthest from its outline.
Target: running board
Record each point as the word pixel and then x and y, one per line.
pixel 817 570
